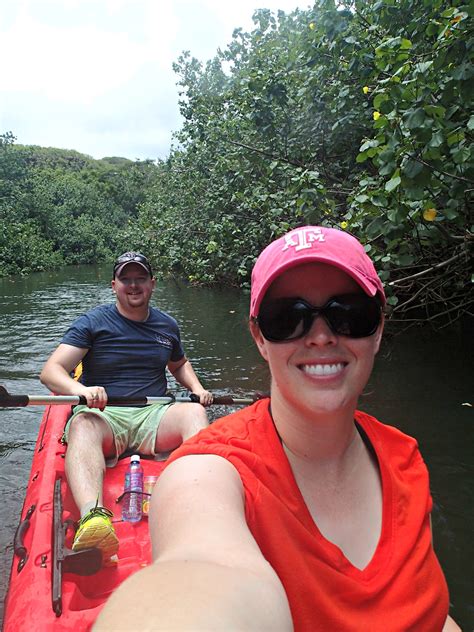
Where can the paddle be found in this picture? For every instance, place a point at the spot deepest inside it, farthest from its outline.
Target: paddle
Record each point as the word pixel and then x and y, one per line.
pixel 17 401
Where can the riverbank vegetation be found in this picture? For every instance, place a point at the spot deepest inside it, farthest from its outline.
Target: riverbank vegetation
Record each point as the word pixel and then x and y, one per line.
pixel 60 207
pixel 355 114
pixel 358 116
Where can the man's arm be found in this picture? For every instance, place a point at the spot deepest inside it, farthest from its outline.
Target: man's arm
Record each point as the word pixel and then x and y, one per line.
pixel 56 375
pixel 184 373
pixel 208 573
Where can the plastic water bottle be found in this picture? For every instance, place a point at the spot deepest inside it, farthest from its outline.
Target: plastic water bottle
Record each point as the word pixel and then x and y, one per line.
pixel 132 500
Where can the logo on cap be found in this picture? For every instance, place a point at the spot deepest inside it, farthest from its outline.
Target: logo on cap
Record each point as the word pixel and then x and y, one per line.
pixel 303 238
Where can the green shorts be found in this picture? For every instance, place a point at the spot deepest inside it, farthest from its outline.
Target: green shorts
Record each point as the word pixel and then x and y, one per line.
pixel 134 429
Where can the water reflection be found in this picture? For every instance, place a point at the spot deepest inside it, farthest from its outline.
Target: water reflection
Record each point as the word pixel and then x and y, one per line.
pixel 419 384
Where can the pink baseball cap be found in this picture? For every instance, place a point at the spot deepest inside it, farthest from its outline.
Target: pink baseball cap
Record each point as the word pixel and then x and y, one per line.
pixel 313 244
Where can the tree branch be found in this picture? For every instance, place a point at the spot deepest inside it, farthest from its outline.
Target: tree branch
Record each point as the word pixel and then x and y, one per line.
pixel 266 153
pixel 444 173
pixel 427 270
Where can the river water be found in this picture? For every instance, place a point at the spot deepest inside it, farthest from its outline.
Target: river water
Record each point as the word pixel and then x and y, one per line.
pixel 421 383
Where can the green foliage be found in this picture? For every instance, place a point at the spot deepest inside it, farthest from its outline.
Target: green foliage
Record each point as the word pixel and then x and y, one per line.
pixel 420 145
pixel 353 114
pixel 60 207
pixel 356 114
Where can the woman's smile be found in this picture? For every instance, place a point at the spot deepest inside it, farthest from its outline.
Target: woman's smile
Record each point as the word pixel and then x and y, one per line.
pixel 323 370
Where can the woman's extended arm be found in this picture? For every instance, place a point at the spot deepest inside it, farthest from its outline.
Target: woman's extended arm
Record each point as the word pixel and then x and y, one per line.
pixel 208 573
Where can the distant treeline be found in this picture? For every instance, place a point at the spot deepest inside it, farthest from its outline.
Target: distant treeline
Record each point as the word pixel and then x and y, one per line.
pixel 60 207
pixel 354 114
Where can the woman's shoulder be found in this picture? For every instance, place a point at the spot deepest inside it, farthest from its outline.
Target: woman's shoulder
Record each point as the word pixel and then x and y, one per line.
pixel 240 431
pixel 389 441
pixel 238 424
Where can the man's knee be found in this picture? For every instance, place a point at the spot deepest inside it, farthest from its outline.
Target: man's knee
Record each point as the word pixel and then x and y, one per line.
pixel 193 420
pixel 180 422
pixel 87 425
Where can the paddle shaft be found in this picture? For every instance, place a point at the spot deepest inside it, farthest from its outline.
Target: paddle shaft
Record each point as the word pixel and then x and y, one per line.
pixel 18 401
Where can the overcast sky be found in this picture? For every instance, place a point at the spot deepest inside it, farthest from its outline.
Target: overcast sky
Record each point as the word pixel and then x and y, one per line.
pixel 96 76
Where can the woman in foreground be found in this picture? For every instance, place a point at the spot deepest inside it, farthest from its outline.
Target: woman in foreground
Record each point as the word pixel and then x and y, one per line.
pixel 298 512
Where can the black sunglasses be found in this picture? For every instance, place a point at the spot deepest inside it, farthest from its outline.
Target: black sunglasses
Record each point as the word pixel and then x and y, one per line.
pixel 129 257
pixel 352 315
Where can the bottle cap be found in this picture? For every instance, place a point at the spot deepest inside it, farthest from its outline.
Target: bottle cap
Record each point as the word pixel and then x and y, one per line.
pixel 135 458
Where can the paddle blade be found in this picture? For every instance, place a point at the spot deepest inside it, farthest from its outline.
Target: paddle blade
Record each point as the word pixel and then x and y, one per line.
pixel 85 562
pixel 12 401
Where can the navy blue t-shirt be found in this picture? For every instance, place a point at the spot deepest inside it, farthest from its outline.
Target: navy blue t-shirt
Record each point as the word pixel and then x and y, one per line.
pixel 126 357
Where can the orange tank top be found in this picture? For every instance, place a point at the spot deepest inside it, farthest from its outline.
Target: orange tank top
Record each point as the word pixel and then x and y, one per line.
pixel 402 589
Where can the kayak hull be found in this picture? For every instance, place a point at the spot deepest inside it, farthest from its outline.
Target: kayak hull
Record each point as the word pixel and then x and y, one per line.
pixel 29 603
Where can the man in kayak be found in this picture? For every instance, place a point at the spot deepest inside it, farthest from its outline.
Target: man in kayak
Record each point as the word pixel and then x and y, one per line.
pixel 299 512
pixel 125 349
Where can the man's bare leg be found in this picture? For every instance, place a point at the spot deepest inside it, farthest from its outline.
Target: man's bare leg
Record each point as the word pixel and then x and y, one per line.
pixel 89 439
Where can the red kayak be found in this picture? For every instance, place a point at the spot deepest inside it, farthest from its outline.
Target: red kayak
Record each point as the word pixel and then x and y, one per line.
pixel 52 588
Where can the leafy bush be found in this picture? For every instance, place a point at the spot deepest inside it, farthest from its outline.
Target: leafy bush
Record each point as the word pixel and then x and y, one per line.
pixel 357 116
